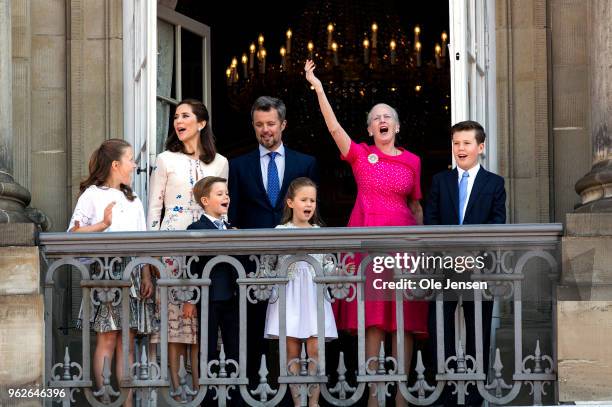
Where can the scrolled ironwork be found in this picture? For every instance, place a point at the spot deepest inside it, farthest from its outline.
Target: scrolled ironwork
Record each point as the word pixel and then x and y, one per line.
pixel 510 250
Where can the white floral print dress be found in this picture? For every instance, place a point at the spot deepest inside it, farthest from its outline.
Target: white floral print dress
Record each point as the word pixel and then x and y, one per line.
pixel 171 191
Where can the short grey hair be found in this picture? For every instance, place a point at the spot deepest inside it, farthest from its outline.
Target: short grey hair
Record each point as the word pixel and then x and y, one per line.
pixel 267 103
pixel 393 112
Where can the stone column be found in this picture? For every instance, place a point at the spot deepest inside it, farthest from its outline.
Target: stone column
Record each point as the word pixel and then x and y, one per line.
pixel 595 188
pixel 13 197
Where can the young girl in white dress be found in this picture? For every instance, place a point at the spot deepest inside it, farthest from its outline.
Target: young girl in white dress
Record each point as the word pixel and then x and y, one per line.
pixel 107 204
pixel 301 294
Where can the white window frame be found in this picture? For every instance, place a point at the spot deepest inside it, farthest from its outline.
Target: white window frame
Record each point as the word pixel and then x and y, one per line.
pixel 140 78
pixel 139 85
pixel 183 22
pixel 473 71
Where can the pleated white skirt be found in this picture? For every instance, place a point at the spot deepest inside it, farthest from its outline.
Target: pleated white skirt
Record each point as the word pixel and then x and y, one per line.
pixel 301 296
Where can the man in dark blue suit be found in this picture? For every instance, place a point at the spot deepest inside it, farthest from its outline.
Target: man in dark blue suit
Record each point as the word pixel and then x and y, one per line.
pixel 263 175
pixel 468 194
pixel 258 183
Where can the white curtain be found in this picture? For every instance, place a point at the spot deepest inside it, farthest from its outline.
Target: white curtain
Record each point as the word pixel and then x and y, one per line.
pixel 165 69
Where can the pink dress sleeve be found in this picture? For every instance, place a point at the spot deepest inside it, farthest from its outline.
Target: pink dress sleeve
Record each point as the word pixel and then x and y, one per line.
pixel 416 191
pixel 355 150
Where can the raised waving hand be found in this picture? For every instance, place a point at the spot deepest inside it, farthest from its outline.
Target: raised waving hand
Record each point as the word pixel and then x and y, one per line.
pixel 342 139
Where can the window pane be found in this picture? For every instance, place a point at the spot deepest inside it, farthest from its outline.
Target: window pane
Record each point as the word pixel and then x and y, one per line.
pixel 165 78
pixel 191 70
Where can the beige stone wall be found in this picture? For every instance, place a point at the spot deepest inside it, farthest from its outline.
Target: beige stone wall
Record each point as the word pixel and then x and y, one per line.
pixel 22 87
pixel 585 356
pixel 95 74
pixel 523 120
pixel 21 314
pixel 570 100
pixel 39 103
pixel 543 104
pixel 584 309
pixel 67 94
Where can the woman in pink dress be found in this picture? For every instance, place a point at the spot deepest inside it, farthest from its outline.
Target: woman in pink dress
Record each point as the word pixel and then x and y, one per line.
pixel 388 194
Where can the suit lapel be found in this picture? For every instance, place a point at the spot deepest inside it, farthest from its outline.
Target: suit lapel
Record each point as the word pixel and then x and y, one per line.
pixel 207 222
pixel 479 183
pixel 288 176
pixel 210 225
pixel 255 169
pixel 453 190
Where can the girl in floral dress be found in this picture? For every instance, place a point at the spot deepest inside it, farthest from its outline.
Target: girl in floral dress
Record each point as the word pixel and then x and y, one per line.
pixel 107 204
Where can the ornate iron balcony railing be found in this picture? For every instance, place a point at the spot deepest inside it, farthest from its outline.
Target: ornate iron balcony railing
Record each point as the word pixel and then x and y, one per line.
pixel 512 274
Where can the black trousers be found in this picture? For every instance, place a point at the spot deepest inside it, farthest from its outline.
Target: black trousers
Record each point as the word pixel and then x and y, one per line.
pixel 473 398
pixel 223 316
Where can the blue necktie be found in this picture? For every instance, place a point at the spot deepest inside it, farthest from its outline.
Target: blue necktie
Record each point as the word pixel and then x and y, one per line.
pixel 218 224
pixel 463 184
pixel 273 183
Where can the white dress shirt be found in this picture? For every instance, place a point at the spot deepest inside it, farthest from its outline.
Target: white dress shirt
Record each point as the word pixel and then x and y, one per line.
pixel 472 176
pixel 264 160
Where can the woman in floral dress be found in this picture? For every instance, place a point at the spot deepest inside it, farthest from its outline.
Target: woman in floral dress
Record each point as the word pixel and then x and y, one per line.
pixel 190 155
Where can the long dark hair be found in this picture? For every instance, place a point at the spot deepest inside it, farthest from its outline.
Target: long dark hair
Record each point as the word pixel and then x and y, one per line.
pixel 207 139
pixel 100 165
pixel 295 185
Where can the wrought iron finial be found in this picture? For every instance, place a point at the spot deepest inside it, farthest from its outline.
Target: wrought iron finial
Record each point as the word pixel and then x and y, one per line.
pixel 342 387
pixel 66 375
pixel 263 390
pixel 144 365
pixel 183 388
pixel 498 382
pixel 421 385
pixel 303 361
pixel 106 391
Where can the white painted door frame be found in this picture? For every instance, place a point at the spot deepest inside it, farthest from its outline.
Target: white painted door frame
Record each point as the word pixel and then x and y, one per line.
pixel 473 72
pixel 139 85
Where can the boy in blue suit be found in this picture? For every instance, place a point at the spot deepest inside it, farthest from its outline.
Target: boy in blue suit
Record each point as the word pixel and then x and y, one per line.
pixel 212 194
pixel 468 194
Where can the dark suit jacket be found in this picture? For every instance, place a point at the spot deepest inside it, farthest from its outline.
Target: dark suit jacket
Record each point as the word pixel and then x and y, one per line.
pixel 487 202
pixel 223 276
pixel 250 207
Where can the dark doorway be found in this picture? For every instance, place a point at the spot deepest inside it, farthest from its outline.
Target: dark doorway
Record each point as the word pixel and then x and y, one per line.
pixel 419 92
